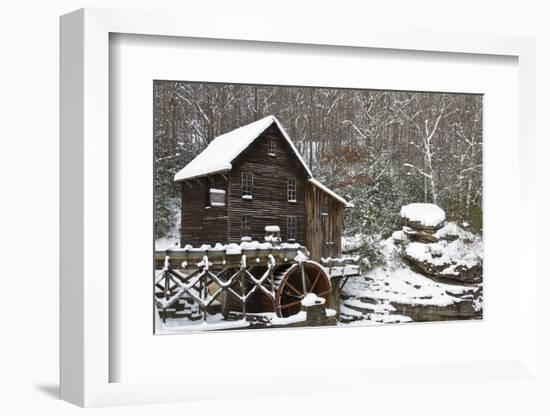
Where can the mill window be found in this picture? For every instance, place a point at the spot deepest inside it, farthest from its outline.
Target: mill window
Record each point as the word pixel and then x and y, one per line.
pixel 246 185
pixel 246 226
pixel 271 146
pixel 291 190
pixel 291 228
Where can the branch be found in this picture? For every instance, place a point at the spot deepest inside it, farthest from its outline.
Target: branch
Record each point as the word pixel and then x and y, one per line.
pixel 355 128
pixel 408 165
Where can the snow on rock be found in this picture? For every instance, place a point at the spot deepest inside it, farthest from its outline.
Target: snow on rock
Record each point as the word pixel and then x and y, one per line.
pixel 396 292
pixel 312 299
pixel 399 236
pixel 460 259
pixel 451 231
pixel 422 215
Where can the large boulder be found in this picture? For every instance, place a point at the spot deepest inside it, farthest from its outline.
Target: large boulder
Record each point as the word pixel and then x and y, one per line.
pixel 423 216
pixel 456 260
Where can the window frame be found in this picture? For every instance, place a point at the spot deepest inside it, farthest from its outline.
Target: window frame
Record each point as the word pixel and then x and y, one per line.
pixel 290 191
pixel 214 203
pixel 246 218
pixel 271 147
pixel 247 190
pixel 294 220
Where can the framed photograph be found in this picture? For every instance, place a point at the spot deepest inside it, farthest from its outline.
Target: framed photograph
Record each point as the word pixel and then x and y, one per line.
pixel 231 196
pixel 247 235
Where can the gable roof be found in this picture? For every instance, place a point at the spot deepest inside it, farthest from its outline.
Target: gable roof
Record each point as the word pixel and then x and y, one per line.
pixel 333 194
pixel 220 153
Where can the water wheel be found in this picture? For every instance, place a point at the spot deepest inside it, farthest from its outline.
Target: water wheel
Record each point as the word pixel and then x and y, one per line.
pixel 295 281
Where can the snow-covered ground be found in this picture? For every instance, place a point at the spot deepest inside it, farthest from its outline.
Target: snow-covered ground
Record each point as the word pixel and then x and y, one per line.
pixel 381 294
pixel 166 243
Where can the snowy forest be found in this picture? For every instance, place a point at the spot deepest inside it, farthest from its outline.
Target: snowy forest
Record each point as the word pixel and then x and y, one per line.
pixel 378 149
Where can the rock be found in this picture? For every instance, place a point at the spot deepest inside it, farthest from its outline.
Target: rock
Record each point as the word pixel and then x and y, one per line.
pixel 463 309
pixel 316 315
pixel 399 237
pixel 438 272
pixel 421 236
pixel 450 261
pixel 422 216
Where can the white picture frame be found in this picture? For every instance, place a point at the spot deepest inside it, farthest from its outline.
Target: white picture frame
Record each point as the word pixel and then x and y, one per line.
pixel 84 311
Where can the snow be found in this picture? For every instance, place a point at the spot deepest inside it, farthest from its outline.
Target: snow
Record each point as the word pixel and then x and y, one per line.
pixel 330 192
pixel 455 254
pixel 399 235
pixel 219 154
pixel 292 319
pixel 350 243
pixel 451 229
pixel 255 245
pixel 403 286
pixel 272 229
pixel 312 299
pixel 368 299
pixel 429 215
pixel 166 243
pixel 179 325
pixel 217 191
pixel 300 257
pixel 234 248
pixel 340 260
pixel 290 245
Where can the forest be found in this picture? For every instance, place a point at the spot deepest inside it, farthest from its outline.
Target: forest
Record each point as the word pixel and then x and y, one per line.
pixel 378 149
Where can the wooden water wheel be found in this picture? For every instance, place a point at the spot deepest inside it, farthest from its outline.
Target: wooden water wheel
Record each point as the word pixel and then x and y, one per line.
pixel 294 281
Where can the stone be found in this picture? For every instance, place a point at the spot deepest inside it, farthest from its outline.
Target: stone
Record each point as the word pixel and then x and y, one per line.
pixel 463 309
pixel 421 236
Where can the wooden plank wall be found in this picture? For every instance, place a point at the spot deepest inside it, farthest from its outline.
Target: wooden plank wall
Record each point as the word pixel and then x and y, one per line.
pixel 199 224
pixel 269 205
pixel 319 230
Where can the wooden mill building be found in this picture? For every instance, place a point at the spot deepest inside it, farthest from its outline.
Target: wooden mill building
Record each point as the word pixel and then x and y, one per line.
pixel 252 178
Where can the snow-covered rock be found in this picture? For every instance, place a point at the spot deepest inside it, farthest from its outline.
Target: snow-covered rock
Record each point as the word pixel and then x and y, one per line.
pixel 429 274
pixel 422 236
pixel 312 299
pixel 459 259
pixel 423 216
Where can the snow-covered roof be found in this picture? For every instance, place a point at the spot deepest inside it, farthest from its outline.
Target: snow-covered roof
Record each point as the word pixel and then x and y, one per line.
pixel 220 153
pixel 330 192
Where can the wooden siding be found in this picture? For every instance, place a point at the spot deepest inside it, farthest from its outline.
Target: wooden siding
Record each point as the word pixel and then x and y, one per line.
pixel 201 224
pixel 269 204
pixel 323 229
